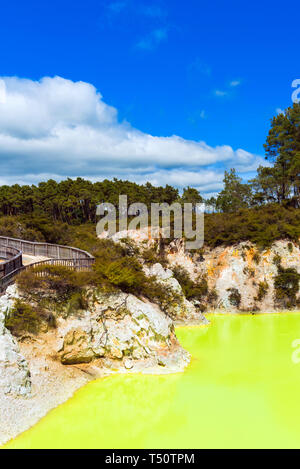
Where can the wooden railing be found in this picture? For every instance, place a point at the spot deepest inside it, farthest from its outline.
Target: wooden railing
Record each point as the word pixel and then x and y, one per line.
pixel 13 260
pixel 54 251
pixel 12 250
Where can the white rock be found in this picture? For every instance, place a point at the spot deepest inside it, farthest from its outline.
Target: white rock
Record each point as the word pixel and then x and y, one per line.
pixel 121 327
pixel 14 371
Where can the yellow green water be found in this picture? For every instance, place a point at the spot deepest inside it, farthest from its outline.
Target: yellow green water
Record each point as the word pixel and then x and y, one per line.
pixel 242 389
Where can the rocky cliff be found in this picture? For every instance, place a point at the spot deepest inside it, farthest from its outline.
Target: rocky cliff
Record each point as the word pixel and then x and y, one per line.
pixel 242 277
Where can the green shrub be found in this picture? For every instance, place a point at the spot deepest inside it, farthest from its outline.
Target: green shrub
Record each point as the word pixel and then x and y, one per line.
pixel 286 285
pixel 151 256
pixel 191 289
pixel 277 260
pixel 23 318
pixel 27 281
pixel 14 228
pixel 263 288
pixel 261 225
pixel 61 280
pixel 234 297
pixel 130 246
pixel 77 302
pixel 125 273
pixel 256 258
pixel 212 296
pixel 249 271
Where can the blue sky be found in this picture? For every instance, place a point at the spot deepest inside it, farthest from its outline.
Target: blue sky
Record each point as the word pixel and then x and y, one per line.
pixel 212 72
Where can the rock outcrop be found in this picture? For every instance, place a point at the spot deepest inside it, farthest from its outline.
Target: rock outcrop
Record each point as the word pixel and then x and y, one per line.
pixel 143 237
pixel 14 370
pixel 125 333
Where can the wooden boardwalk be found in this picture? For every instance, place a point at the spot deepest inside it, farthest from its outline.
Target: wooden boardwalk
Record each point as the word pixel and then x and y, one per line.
pixel 19 254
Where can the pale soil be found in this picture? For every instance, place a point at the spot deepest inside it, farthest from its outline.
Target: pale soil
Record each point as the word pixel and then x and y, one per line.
pixel 52 384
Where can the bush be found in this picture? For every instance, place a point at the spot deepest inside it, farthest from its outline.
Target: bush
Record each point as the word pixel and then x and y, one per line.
pixel 286 286
pixel 28 281
pixel 130 246
pixel 125 273
pixel 191 289
pixel 249 271
pixel 234 297
pixel 277 260
pixel 263 288
pixel 24 318
pixel 77 302
pixel 63 281
pixel 150 256
pixel 256 258
pixel 212 297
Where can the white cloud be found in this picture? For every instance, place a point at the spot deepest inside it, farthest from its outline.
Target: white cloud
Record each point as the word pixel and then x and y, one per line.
pixel 228 92
pixel 221 93
pixel 235 83
pixel 2 92
pixel 58 128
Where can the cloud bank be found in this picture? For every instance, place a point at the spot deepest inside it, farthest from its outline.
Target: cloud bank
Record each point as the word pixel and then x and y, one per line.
pixel 58 128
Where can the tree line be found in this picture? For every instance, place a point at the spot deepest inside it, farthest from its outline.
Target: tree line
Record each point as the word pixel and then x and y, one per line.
pixel 75 201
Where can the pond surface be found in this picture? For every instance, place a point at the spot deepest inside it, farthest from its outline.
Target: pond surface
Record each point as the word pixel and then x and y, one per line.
pixel 242 389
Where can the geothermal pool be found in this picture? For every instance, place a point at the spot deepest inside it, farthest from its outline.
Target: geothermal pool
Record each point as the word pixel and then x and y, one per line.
pixel 242 389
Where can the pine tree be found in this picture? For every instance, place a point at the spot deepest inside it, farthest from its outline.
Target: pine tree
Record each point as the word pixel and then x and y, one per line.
pixel 235 194
pixel 283 151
